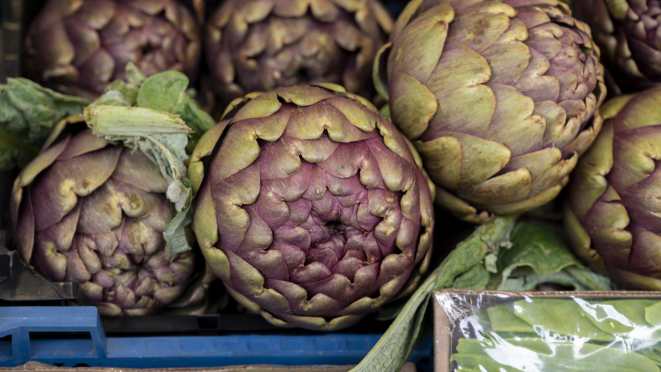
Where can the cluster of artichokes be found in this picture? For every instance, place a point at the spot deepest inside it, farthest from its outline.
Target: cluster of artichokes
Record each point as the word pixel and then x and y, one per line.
pixel 313 206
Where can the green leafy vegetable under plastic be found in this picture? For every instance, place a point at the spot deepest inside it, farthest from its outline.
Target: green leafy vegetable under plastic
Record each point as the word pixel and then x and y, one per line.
pixel 555 334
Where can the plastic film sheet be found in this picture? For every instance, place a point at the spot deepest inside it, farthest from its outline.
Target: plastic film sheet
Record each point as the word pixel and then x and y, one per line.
pixel 491 331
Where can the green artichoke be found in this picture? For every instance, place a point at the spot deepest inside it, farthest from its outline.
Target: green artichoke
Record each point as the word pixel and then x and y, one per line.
pixel 93 213
pixel 629 35
pixel 79 46
pixel 260 45
pixel 497 96
pixel 611 212
pixel 312 208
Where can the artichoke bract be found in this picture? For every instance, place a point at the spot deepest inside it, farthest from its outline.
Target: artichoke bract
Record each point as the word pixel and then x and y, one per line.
pixel 629 35
pixel 260 45
pixel 612 212
pixel 94 213
pixel 79 46
pixel 497 96
pixel 313 209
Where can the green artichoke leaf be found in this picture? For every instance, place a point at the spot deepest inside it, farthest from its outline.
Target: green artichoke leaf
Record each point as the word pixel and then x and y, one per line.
pixel 477 277
pixel 28 112
pixel 589 279
pixel 175 234
pixel 527 280
pixel 168 92
pixel 396 344
pixel 129 88
pixel 539 255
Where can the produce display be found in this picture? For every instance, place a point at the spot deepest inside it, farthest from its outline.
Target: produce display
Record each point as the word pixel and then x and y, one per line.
pixel 627 33
pixel 552 333
pixel 78 47
pixel 322 215
pixel 496 96
pixel 331 169
pixel 260 45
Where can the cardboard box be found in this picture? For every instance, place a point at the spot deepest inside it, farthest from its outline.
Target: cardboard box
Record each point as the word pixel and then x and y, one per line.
pixel 447 328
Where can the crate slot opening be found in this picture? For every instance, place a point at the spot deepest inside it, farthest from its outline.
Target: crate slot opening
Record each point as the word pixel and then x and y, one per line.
pixel 81 343
pixel 6 349
pixel 207 322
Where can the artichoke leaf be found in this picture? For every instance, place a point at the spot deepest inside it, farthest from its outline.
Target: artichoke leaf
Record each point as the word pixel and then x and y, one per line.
pixel 168 92
pixel 28 113
pixel 477 277
pixel 539 255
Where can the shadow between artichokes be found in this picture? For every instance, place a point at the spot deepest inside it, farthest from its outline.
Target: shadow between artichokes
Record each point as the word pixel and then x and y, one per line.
pixel 497 96
pixel 612 209
pixel 311 207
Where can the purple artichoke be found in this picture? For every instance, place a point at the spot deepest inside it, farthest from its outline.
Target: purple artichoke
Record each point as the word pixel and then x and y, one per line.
pixel 313 209
pixel 629 35
pixel 79 46
pixel 93 213
pixel 497 96
pixel 260 45
pixel 613 214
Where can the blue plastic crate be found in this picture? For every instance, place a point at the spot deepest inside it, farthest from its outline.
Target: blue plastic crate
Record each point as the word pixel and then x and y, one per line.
pixel 97 350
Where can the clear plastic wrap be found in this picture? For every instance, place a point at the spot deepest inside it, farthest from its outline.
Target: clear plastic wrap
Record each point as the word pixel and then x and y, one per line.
pixel 490 331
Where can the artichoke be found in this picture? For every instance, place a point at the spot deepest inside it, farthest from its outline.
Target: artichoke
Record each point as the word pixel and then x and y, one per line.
pixel 497 96
pixel 629 35
pixel 260 45
pixel 94 213
pixel 79 46
pixel 313 209
pixel 612 212
pixel 105 204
